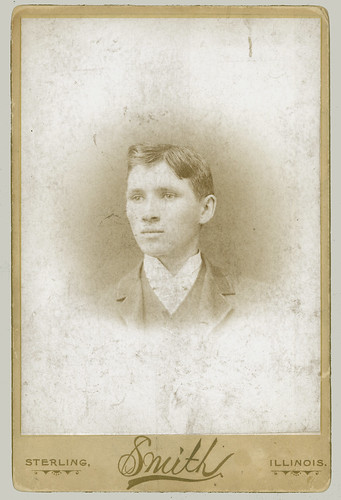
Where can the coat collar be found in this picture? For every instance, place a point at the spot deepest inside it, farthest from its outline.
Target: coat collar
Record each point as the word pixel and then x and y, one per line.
pixel 129 298
pixel 214 305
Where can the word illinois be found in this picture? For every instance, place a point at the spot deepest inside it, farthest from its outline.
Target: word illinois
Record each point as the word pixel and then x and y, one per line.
pixel 143 465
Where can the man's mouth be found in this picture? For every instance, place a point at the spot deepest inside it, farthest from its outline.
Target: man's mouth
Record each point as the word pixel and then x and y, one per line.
pixel 152 231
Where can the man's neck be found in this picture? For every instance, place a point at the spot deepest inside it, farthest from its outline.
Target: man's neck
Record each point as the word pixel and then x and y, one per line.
pixel 175 264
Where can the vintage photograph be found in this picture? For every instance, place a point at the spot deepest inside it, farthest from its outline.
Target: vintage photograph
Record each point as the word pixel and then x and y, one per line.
pixel 126 126
pixel 170 225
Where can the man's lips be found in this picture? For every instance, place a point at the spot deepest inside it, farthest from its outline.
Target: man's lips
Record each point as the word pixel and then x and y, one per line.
pixel 152 231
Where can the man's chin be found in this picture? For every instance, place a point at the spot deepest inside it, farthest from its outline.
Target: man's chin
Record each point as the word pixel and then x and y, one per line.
pixel 153 250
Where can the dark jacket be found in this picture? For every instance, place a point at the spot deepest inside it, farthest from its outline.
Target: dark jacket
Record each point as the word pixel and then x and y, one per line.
pixel 215 300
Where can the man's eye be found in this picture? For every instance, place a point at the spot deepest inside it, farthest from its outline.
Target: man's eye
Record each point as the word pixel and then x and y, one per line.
pixel 136 197
pixel 168 196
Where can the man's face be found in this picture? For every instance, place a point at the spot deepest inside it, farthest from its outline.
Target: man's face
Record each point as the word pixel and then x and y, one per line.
pixel 163 211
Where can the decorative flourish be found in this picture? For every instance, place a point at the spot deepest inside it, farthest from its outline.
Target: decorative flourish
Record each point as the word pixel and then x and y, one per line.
pixel 296 472
pixel 56 472
pixel 160 477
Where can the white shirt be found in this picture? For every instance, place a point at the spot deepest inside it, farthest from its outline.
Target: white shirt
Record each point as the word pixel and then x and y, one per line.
pixel 171 289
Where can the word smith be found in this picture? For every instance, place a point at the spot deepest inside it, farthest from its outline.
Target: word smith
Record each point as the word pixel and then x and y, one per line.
pixel 195 465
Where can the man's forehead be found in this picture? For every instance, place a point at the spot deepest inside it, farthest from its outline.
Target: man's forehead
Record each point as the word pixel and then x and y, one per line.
pixel 157 173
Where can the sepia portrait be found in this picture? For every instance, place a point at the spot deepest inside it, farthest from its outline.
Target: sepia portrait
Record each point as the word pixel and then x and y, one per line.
pixel 170 172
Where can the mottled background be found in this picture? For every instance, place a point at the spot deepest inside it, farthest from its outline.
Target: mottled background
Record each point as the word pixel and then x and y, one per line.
pixel 243 93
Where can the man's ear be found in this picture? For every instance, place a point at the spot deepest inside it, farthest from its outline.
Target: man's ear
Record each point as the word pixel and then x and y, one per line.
pixel 208 205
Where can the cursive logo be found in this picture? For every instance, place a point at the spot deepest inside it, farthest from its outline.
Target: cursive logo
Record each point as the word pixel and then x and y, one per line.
pixel 143 465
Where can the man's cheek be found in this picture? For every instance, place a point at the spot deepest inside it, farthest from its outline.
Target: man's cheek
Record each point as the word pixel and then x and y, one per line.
pixel 132 217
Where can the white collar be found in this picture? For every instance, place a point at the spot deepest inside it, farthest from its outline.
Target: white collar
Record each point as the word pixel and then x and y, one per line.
pixel 171 289
pixel 154 268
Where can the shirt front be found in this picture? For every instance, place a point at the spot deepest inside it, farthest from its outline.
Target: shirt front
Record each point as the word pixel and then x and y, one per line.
pixel 171 289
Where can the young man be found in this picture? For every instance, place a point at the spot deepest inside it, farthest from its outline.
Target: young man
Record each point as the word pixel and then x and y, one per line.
pixel 169 198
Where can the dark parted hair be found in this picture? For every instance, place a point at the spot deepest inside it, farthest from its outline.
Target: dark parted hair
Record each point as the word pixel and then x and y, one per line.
pixel 186 164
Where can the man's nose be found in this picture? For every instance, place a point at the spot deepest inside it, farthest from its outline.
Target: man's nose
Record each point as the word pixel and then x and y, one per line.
pixel 150 211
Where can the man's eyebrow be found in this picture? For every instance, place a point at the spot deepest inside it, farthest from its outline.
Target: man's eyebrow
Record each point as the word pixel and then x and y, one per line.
pixel 135 190
pixel 167 188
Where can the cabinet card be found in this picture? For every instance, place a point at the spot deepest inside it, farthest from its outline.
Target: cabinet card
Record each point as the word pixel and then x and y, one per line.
pixel 170 235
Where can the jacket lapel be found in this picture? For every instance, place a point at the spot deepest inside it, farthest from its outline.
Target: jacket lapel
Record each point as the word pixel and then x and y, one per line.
pixel 215 303
pixel 129 301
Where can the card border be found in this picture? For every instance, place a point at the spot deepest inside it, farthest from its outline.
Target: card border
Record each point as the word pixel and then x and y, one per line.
pixel 21 475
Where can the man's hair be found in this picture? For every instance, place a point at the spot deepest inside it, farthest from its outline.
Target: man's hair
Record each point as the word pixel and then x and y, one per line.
pixel 186 164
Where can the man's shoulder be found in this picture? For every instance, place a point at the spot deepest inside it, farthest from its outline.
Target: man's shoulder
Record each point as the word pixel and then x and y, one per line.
pixel 127 281
pixel 120 288
pixel 221 278
pixel 241 290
